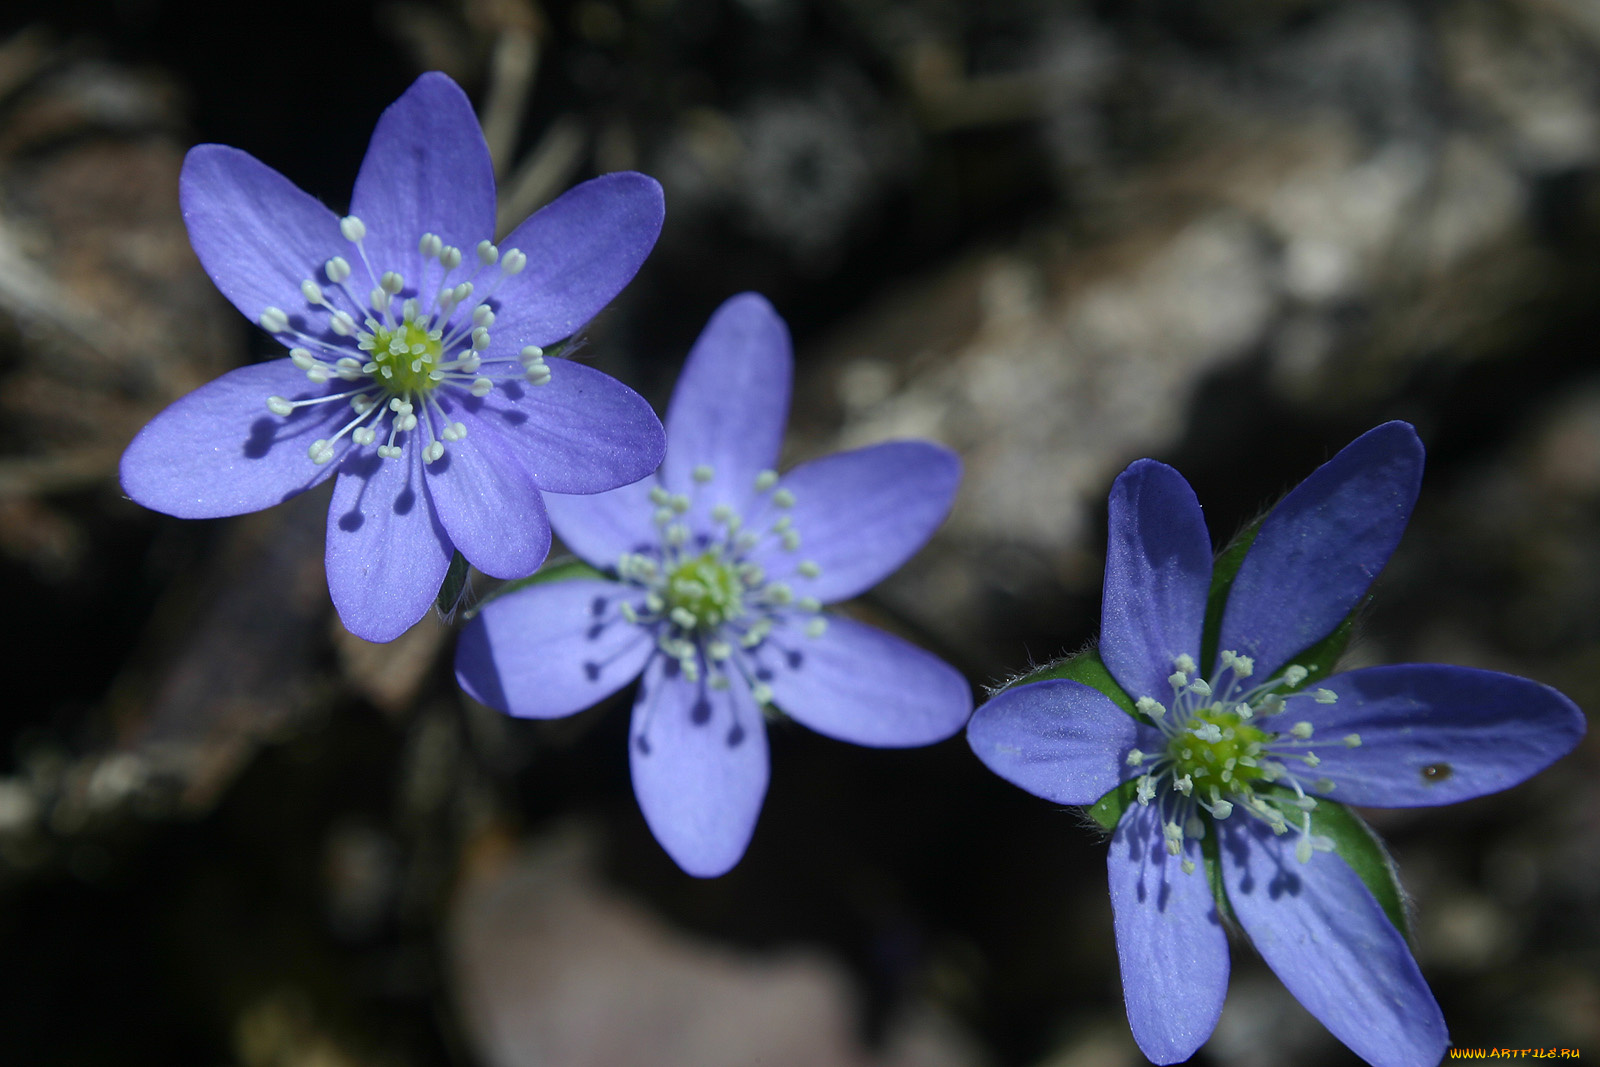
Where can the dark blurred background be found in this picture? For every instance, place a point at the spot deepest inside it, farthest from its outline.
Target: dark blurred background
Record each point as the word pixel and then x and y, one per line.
pixel 1057 236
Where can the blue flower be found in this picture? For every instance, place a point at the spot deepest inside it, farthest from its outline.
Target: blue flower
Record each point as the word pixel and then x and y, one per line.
pixel 721 571
pixel 1225 760
pixel 416 370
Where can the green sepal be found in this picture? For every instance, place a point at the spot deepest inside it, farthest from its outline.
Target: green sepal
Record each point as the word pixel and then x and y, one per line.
pixel 1358 845
pixel 1085 667
pixel 1212 851
pixel 561 570
pixel 1107 811
pixel 454 584
pixel 1318 660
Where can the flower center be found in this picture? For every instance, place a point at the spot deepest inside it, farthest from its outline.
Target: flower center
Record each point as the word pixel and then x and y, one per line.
pixel 707 589
pixel 408 342
pixel 1217 754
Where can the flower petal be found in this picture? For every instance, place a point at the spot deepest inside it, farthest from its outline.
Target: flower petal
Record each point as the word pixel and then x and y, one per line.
pixel 551 649
pixel 1158 572
pixel 582 248
pixel 490 507
pixel 218 451
pixel 699 758
pixel 1431 734
pixel 1170 942
pixel 581 432
pixel 1320 548
pixel 856 683
pixel 387 552
pixel 427 170
pixel 257 235
pixel 858 515
pixel 1061 740
pixel 730 406
pixel 1325 937
pixel 600 527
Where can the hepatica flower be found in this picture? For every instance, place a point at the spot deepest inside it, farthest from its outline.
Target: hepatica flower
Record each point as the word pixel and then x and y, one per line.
pixel 719 573
pixel 1220 751
pixel 416 371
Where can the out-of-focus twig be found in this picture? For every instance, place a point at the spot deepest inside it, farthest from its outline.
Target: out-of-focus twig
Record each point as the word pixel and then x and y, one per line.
pixel 512 68
pixel 548 168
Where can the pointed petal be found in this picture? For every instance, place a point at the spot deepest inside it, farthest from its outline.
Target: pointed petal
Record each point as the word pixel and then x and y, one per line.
pixel 387 553
pixel 730 406
pixel 582 432
pixel 427 170
pixel 1328 941
pixel 582 248
pixel 1320 548
pixel 1431 734
pixel 551 649
pixel 1170 942
pixel 600 527
pixel 219 451
pixel 1061 740
pixel 1158 572
pixel 490 507
pixel 859 515
pixel 257 235
pixel 699 758
pixel 856 683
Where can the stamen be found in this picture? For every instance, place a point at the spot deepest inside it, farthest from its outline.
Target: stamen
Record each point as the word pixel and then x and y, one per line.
pixel 273 320
pixel 766 480
pixel 354 229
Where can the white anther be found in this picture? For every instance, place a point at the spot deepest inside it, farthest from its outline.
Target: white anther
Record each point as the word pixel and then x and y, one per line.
pixel 1302 849
pixel 429 245
pixel 1174 835
pixel 809 568
pixel 791 540
pixel 808 603
pixel 1295 674
pixel 391 282
pixel 513 261
pixel 488 254
pixel 317 373
pixel 342 324
pixel 538 375
pixel 483 315
pixel 1220 809
pixel 481 387
pixel 626 610
pixel 780 594
pixel 766 480
pixel 480 339
pixel 311 291
pixel 783 498
pixel 273 320
pixel 532 354
pixel 378 298
pixel 1200 687
pixel 761 693
pixel 405 422
pixel 337 269
pixel 320 451
pixel 702 473
pixel 1146 790
pixel 1188 866
pixel 1243 666
pixel 816 627
pixel 302 358
pixel 1150 706
pixel 1352 740
pixel 1208 732
pixel 1323 785
pixel 461 292
pixel 722 513
pixel 1326 696
pixel 433 452
pixel 364 435
pixel 1184 785
pixel 279 406
pixel 450 256
pixel 1135 757
pixel 1301 730
pixel 1177 679
pixel 353 228
pixel 1184 663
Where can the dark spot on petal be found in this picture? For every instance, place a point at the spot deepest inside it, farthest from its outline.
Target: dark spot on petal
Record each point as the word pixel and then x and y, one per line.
pixel 598 606
pixel 594 632
pixel 700 714
pixel 405 501
pixel 513 390
pixel 795 658
pixel 351 521
pixel 642 744
pixel 262 433
pixel 763 674
pixel 1285 883
pixel 736 736
pixel 1434 773
pixel 591 671
pixel 670 668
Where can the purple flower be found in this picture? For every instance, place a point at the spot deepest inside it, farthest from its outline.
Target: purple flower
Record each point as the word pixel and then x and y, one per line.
pixel 415 369
pixel 1217 758
pixel 721 570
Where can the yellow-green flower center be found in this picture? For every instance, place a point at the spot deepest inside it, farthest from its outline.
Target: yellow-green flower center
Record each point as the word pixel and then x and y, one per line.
pixel 407 355
pixel 1218 748
pixel 704 592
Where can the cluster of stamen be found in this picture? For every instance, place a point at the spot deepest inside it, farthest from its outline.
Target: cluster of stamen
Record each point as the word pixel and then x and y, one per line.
pixel 1219 756
pixel 711 606
pixel 405 346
